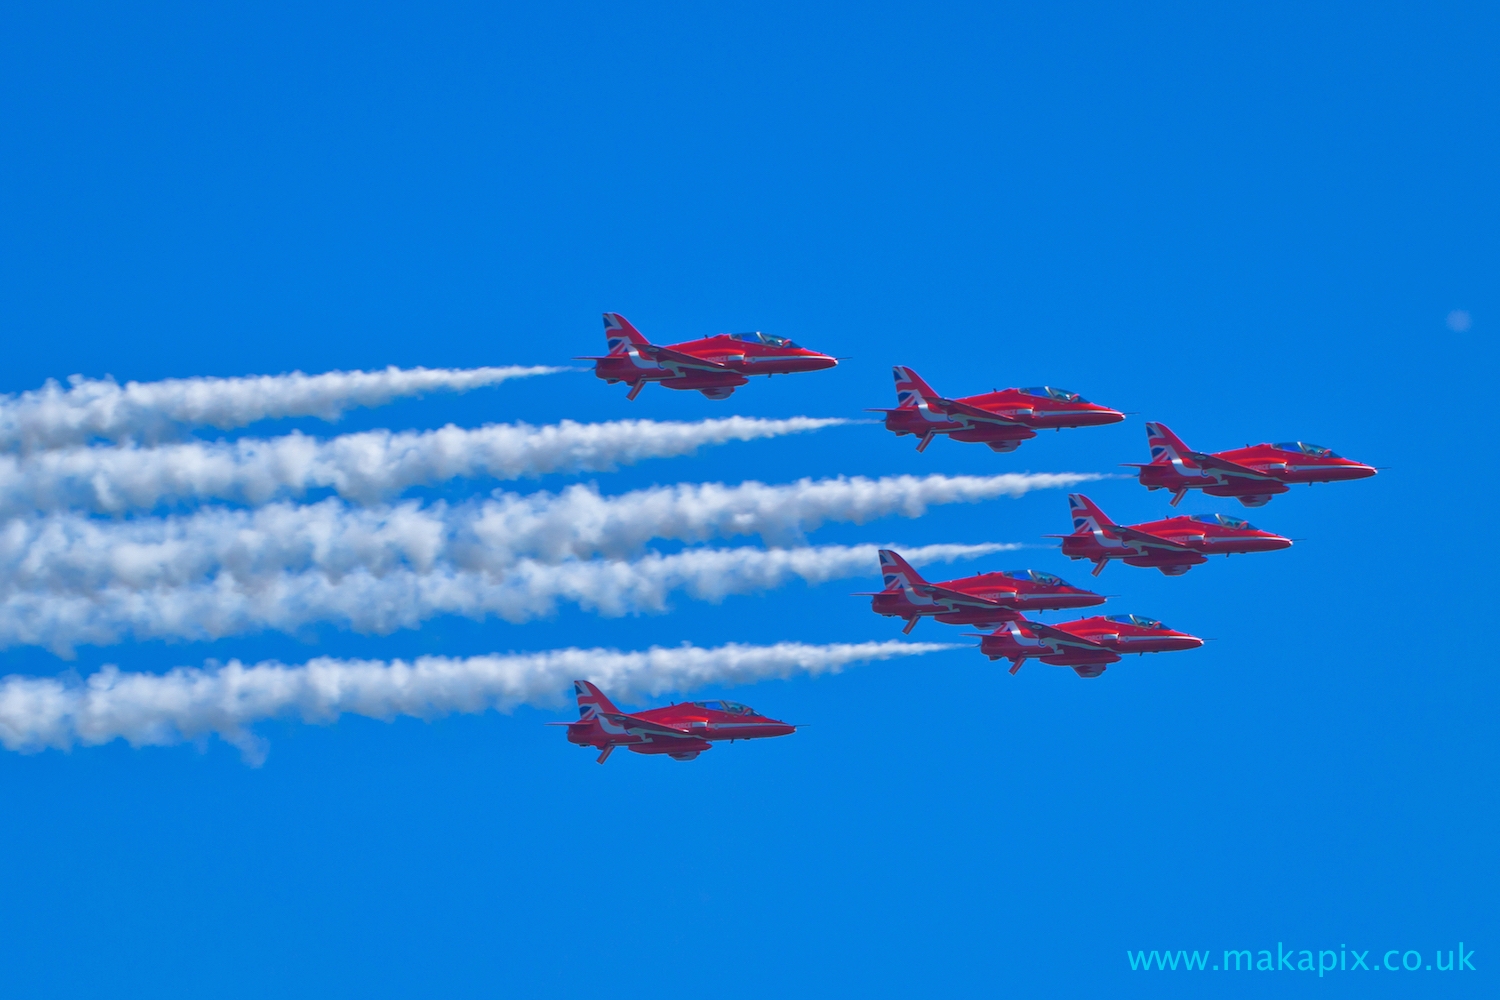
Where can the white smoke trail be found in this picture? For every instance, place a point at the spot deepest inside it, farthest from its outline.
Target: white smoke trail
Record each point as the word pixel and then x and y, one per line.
pixel 579 522
pixel 54 417
pixel 364 467
pixel 72 552
pixel 188 703
pixel 404 598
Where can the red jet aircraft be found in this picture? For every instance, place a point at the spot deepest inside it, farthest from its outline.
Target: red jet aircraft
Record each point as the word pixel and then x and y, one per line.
pixel 986 599
pixel 681 732
pixel 1253 474
pixel 1173 546
pixel 1088 645
pixel 1001 419
pixel 715 366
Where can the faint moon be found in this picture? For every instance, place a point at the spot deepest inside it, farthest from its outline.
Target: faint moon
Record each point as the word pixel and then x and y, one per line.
pixel 1459 320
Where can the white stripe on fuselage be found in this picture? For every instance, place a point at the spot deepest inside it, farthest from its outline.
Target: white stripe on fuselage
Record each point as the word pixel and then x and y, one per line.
pixel 932 417
pixel 636 361
pixel 1120 545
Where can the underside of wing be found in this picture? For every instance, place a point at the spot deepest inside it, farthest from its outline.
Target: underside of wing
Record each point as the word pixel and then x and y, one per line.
pixel 1062 638
pixel 665 356
pixel 645 727
pixel 1147 539
pixel 958 599
pixel 1208 463
pixel 978 416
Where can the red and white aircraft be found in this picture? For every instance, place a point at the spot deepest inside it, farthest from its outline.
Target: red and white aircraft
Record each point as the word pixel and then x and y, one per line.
pixel 715 366
pixel 681 731
pixel 1253 474
pixel 1173 546
pixel 1001 419
pixel 986 599
pixel 1088 645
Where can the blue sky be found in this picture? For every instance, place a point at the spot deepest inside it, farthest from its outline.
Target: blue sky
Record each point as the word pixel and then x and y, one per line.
pixel 1251 224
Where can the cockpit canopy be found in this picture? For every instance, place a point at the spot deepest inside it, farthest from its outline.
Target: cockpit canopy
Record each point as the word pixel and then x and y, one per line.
pixel 1139 621
pixel 1315 450
pixel 731 707
pixel 1049 392
pixel 763 338
pixel 1036 576
pixel 1238 523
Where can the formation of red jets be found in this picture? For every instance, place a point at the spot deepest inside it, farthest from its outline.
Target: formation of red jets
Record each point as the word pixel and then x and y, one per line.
pixel 997 602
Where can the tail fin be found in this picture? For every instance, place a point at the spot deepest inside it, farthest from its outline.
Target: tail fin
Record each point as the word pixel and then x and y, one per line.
pixel 897 572
pixel 618 333
pixel 910 389
pixel 1165 446
pixel 1087 517
pixel 591 701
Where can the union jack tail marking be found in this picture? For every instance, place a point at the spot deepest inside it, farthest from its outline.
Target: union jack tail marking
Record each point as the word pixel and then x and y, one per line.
pixel 591 701
pixel 1165 446
pixel 910 389
pixel 619 334
pixel 897 573
pixel 1087 517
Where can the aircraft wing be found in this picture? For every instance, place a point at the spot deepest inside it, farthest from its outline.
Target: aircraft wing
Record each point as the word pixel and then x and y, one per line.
pixel 975 414
pixel 1224 467
pixel 644 727
pixel 1060 637
pixel 1146 539
pixel 957 599
pixel 666 356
